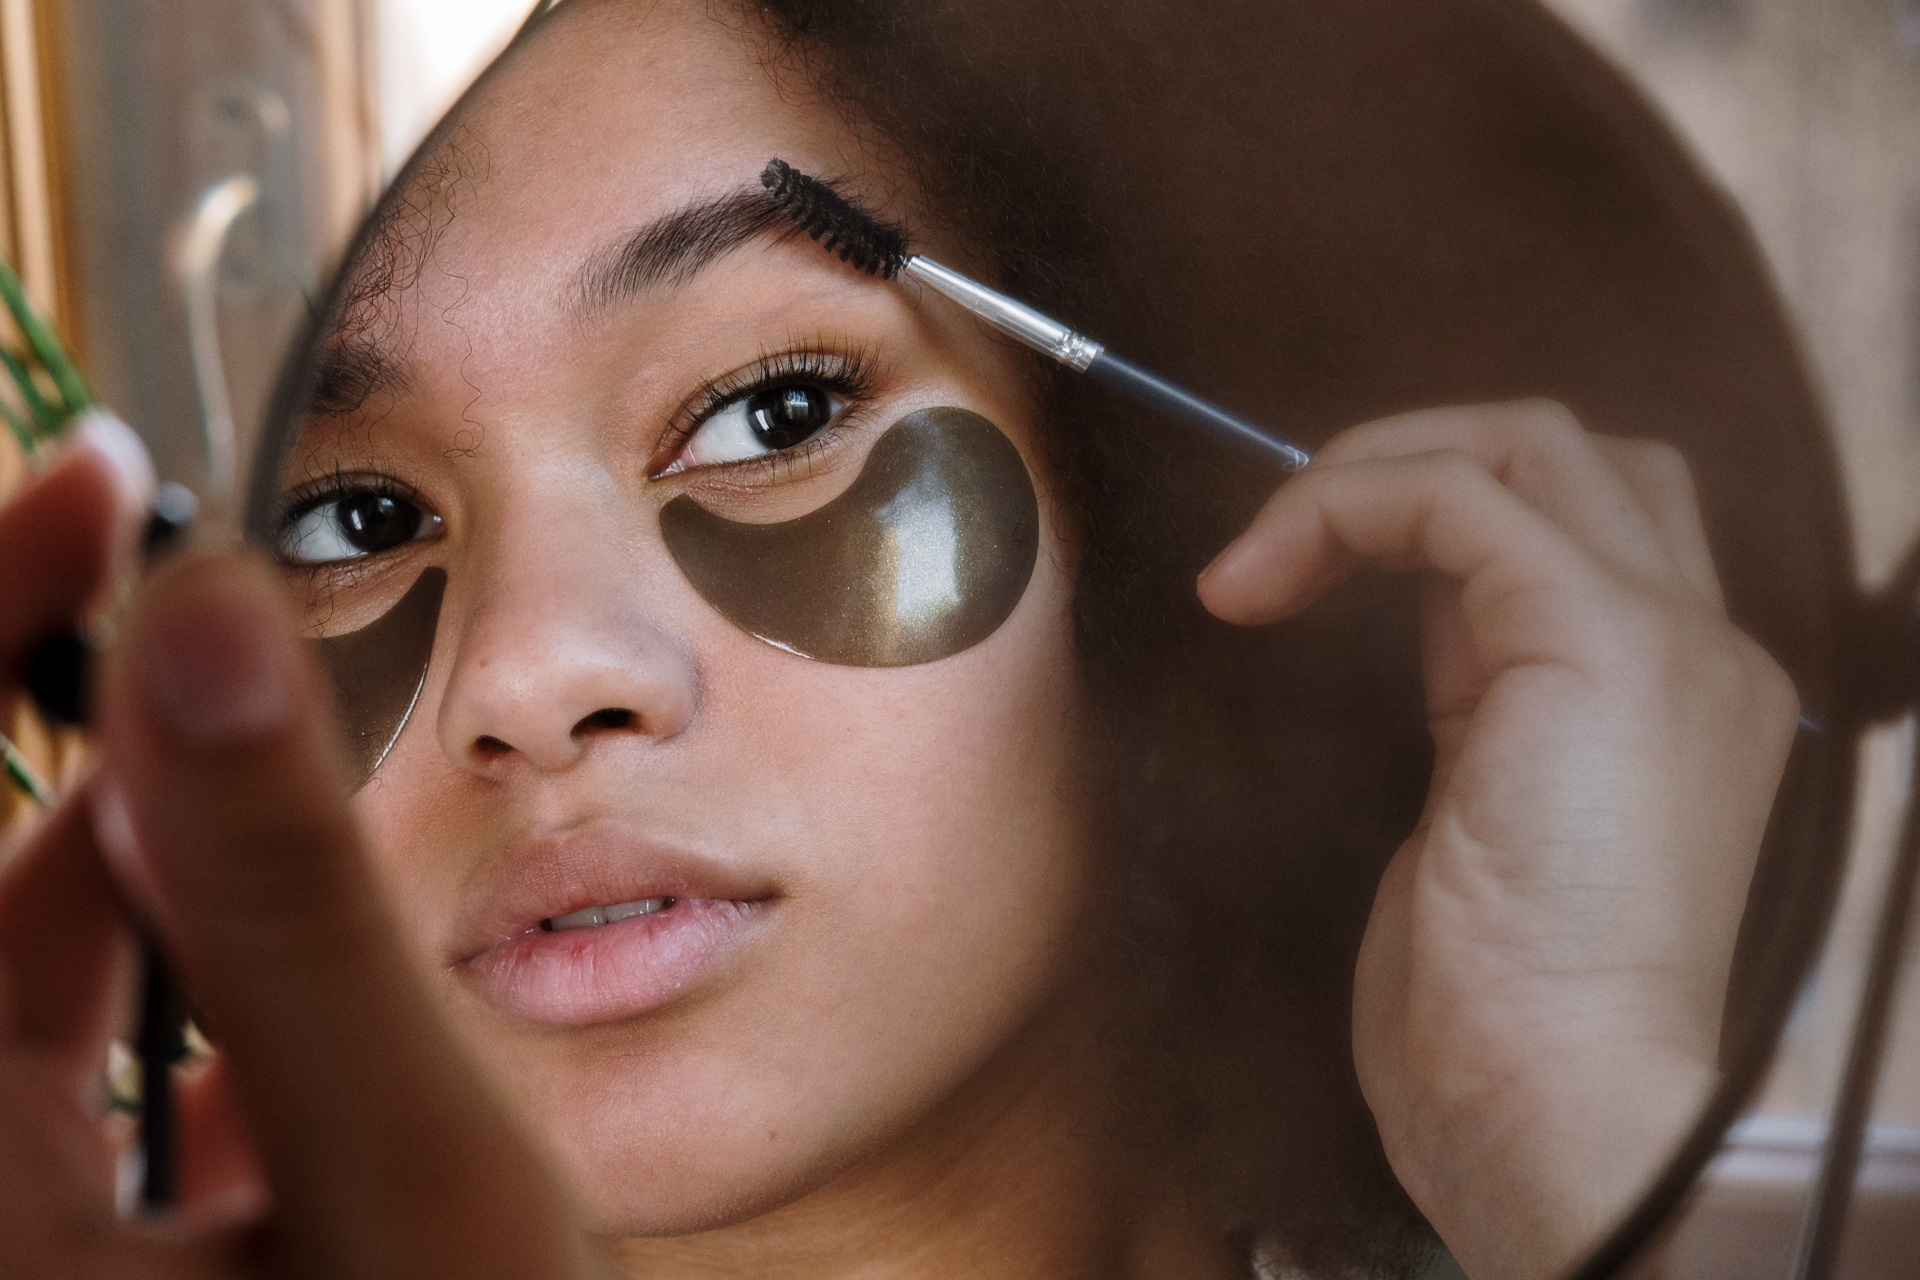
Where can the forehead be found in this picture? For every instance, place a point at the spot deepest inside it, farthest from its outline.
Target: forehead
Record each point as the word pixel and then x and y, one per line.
pixel 606 117
pixel 609 99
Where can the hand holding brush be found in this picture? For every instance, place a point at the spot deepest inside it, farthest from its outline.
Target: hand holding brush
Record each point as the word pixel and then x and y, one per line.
pixel 218 810
pixel 51 405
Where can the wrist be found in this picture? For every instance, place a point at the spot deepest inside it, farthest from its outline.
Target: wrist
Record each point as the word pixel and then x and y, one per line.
pixel 1523 1174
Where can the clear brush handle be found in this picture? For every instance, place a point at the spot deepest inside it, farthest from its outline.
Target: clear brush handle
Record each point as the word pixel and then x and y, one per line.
pixel 1049 337
pixel 1175 401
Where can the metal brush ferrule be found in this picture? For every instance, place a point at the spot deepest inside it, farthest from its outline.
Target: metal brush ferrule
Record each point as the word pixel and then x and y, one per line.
pixel 1047 336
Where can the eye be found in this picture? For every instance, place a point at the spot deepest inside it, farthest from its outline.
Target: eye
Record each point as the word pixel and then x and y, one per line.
pixel 767 421
pixel 353 524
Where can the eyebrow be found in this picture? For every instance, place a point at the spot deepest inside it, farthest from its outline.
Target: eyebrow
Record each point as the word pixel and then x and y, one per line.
pixel 350 371
pixel 675 247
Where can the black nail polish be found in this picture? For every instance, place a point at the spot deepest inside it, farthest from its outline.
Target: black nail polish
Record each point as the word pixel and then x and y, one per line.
pixel 57 677
pixel 59 671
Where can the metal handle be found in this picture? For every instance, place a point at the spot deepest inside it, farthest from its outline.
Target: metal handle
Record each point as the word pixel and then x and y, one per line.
pixel 201 247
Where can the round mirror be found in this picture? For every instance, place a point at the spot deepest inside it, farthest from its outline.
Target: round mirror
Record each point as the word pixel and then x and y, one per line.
pixel 848 824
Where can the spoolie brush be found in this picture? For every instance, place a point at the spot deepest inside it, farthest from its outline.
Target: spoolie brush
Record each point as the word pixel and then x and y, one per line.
pixel 863 241
pixel 860 241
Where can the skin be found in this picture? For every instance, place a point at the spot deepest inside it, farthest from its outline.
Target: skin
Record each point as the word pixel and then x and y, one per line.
pixel 847 1020
pixel 896 1075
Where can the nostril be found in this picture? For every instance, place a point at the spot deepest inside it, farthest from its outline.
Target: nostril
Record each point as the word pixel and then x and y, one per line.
pixel 605 718
pixel 490 746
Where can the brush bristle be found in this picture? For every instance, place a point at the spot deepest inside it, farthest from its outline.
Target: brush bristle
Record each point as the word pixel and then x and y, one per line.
pixel 858 238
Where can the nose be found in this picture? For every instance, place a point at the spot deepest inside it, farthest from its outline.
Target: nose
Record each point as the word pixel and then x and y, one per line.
pixel 562 654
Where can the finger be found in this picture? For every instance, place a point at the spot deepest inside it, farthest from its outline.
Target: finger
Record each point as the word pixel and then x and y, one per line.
pixel 218 1166
pixel 65 947
pixel 1522 575
pixel 56 1179
pixel 1454 677
pixel 1660 479
pixel 1540 451
pixel 384 1151
pixel 64 532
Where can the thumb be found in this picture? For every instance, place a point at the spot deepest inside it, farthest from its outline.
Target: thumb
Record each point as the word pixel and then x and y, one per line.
pixel 384 1152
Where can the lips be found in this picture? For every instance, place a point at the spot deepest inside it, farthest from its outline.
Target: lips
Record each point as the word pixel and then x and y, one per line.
pixel 596 925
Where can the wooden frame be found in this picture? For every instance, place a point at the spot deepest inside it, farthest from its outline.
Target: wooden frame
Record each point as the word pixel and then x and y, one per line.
pixel 35 237
pixel 33 206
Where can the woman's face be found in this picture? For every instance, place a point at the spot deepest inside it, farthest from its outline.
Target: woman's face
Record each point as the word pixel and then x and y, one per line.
pixel 868 879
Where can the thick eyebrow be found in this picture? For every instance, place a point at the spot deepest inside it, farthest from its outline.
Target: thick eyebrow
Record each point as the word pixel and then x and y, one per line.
pixel 672 249
pixel 348 371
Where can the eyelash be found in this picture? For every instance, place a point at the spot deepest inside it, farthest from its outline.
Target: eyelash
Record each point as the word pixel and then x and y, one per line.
pixel 338 485
pixel 332 488
pixel 847 370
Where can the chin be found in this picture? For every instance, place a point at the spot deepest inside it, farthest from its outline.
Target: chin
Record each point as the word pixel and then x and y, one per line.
pixel 660 1137
pixel 626 1189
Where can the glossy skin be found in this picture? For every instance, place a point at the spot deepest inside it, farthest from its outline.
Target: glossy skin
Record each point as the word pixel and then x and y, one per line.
pixel 885 1065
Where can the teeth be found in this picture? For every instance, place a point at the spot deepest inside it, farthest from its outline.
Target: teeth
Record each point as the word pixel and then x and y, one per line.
pixel 594 917
pixel 590 918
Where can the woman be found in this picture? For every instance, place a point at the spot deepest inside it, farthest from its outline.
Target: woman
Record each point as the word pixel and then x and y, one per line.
pixel 1028 955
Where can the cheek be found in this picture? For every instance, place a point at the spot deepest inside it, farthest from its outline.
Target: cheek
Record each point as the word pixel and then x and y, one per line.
pixel 419 843
pixel 945 794
pixel 943 830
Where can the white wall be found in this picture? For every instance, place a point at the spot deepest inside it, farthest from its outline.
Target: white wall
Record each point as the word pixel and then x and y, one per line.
pixel 428 51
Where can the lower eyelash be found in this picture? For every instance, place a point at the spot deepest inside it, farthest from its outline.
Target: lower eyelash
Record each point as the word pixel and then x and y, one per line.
pixel 789 460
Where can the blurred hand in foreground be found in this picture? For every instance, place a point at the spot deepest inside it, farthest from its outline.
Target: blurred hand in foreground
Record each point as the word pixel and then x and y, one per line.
pixel 219 809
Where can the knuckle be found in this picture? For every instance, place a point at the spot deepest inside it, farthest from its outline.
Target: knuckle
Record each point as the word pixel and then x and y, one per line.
pixel 1545 420
pixel 1774 693
pixel 1638 626
pixel 1381 437
pixel 1728 669
pixel 1663 464
pixel 1664 458
pixel 1541 439
pixel 1697 663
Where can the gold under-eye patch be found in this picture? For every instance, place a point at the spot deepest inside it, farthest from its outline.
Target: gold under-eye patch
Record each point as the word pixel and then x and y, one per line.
pixel 379 670
pixel 925 555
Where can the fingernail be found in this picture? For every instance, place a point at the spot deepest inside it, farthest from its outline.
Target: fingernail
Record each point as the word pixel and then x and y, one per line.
pixel 117 444
pixel 1213 565
pixel 213 662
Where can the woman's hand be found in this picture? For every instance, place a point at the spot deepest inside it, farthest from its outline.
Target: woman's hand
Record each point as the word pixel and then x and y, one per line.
pixel 220 811
pixel 1538 999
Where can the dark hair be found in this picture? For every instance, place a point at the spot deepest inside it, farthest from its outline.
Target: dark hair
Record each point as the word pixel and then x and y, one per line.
pixel 1316 214
pixel 1320 214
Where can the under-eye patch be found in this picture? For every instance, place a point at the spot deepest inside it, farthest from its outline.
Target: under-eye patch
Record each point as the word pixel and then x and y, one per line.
pixel 926 554
pixel 379 670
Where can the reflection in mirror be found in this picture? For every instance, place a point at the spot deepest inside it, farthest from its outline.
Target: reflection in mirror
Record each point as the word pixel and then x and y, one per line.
pixel 1396 894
